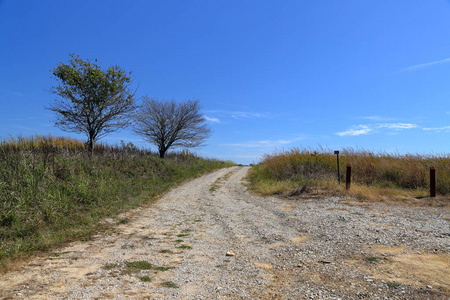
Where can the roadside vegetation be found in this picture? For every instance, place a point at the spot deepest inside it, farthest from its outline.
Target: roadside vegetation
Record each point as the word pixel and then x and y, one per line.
pixel 53 191
pixel 375 176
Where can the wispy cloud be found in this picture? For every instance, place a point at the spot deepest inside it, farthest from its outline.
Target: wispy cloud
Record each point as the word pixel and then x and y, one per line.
pixel 260 144
pixel 240 114
pixel 125 139
pixel 265 143
pixel 246 115
pixel 356 130
pixel 253 156
pixel 377 118
pixel 24 119
pixel 24 128
pixel 372 128
pixel 214 120
pixel 438 129
pixel 425 65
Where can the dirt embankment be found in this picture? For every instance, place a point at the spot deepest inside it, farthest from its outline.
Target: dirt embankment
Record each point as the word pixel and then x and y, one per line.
pixel 212 239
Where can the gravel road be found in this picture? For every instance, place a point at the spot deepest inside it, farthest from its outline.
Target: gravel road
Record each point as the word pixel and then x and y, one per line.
pixel 212 239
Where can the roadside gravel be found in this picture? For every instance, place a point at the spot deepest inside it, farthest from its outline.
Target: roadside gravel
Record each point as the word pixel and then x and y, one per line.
pixel 212 239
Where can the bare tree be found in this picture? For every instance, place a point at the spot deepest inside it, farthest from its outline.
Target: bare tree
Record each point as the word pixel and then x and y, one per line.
pixel 170 124
pixel 91 100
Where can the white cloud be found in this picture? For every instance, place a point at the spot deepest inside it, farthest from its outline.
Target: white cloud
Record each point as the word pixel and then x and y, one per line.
pixel 239 114
pixel 214 120
pixel 397 126
pixel 377 118
pixel 125 139
pixel 438 129
pixel 355 131
pixel 372 128
pixel 24 128
pixel 255 156
pixel 246 115
pixel 420 66
pixel 265 143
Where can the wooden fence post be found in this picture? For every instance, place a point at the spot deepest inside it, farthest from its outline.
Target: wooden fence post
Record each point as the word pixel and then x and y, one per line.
pixel 432 182
pixel 339 175
pixel 348 177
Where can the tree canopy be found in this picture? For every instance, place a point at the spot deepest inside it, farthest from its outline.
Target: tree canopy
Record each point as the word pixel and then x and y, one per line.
pixel 92 100
pixel 169 124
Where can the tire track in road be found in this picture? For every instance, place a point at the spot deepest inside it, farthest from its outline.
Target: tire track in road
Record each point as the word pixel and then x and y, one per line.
pixel 277 249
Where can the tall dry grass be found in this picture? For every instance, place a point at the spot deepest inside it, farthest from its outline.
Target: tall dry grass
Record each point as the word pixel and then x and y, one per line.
pixel 381 169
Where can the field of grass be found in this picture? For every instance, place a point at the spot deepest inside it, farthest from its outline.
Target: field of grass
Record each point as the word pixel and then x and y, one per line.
pixel 53 191
pixel 373 174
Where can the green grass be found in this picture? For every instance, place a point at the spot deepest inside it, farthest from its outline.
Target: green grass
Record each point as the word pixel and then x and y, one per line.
pixel 393 284
pixel 110 266
pixel 53 191
pixel 123 222
pixel 162 269
pixel 145 278
pixel 372 258
pixel 184 247
pixel 140 265
pixel 287 170
pixel 133 267
pixel 170 284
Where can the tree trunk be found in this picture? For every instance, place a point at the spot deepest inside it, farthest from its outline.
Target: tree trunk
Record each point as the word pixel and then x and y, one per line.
pixel 91 145
pixel 162 152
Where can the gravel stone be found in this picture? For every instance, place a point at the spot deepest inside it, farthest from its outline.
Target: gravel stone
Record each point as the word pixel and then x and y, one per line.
pixel 282 249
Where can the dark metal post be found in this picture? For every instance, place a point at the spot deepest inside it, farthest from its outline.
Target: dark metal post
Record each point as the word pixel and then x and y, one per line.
pixel 348 177
pixel 339 175
pixel 432 182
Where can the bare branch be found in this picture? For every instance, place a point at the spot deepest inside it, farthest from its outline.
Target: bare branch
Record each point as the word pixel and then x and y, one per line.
pixel 170 124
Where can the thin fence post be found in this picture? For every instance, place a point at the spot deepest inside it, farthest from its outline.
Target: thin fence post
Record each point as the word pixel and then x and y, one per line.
pixel 348 177
pixel 338 174
pixel 432 182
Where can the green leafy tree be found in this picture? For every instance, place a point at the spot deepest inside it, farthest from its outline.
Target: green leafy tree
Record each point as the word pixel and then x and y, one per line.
pixel 91 100
pixel 169 124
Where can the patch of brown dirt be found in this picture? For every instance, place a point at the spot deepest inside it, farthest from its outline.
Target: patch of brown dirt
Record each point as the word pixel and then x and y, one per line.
pixel 300 240
pixel 388 250
pixel 440 201
pixel 337 208
pixel 356 203
pixel 288 205
pixel 416 269
pixel 264 266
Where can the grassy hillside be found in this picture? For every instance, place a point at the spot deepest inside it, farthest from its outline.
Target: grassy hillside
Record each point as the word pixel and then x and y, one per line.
pixel 373 174
pixel 53 191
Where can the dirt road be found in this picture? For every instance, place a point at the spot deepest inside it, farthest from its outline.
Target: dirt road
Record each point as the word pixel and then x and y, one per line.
pixel 212 239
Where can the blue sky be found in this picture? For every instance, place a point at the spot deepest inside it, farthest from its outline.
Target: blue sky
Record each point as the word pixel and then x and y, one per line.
pixel 269 74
